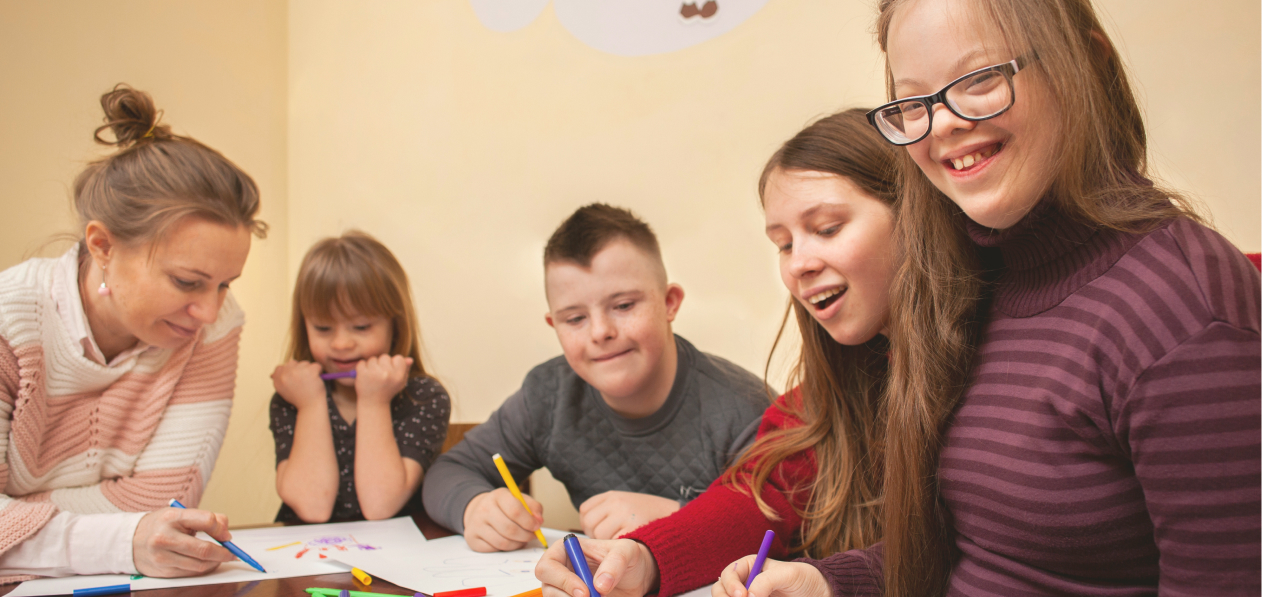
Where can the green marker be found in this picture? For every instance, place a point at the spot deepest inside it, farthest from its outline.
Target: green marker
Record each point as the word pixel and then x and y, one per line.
pixel 317 592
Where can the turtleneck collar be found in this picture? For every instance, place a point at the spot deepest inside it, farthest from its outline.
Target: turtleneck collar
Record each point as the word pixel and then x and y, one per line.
pixel 1048 256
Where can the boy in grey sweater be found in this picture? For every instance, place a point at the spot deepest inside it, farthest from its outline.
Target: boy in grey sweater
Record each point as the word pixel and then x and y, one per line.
pixel 633 420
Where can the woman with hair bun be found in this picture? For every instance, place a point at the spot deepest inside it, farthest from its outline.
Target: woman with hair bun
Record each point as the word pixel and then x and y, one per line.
pixel 117 360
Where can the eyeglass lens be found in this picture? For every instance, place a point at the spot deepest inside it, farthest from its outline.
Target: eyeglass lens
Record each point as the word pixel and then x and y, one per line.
pixel 978 97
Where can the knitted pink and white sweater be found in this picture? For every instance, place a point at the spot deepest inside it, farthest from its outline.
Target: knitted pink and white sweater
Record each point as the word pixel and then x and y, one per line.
pixel 81 437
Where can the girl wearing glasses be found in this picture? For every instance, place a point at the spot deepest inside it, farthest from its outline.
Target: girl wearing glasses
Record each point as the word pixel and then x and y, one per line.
pixel 1073 396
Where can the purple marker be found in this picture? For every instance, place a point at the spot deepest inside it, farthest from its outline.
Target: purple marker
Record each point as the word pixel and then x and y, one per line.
pixel 762 557
pixel 338 375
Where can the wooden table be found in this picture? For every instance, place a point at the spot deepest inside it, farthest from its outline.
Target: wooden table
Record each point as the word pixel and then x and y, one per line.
pixel 291 587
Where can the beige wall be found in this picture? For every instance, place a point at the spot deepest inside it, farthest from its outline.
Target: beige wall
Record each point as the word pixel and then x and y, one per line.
pixel 218 70
pixel 462 148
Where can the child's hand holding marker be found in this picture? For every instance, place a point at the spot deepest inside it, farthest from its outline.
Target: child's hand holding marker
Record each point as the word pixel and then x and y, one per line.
pixel 378 379
pixel 497 521
pixel 781 579
pixel 298 382
pixel 624 568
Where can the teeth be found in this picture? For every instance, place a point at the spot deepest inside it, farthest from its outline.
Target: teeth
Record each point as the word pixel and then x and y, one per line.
pixel 972 158
pixel 815 300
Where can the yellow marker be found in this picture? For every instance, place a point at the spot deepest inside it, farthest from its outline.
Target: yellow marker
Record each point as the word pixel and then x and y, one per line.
pixel 512 486
pixel 531 593
pixel 284 546
pixel 362 576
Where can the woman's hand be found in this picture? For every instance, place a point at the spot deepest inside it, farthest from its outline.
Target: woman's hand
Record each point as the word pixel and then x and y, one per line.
pixel 612 514
pixel 622 568
pixel 777 579
pixel 378 379
pixel 299 383
pixel 164 545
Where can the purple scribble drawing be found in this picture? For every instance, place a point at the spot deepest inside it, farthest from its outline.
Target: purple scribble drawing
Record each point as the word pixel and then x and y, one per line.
pixel 363 546
pixel 340 543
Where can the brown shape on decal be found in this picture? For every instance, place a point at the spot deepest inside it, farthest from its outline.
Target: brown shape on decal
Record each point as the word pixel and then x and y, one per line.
pixel 707 10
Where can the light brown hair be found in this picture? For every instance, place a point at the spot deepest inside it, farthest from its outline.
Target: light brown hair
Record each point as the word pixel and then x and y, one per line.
pixel 590 228
pixel 939 294
pixel 838 387
pixel 157 178
pixel 354 274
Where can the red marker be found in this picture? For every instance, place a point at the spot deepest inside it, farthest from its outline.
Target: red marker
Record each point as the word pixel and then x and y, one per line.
pixel 474 592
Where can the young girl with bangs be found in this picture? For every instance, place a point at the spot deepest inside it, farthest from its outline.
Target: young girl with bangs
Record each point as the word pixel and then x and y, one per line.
pixel 357 445
pixel 1073 396
pixel 813 474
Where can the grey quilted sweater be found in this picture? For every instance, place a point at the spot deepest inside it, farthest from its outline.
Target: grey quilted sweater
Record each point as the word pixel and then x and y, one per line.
pixel 556 420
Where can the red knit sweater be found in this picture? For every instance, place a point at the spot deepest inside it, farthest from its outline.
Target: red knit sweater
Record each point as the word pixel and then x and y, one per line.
pixel 693 545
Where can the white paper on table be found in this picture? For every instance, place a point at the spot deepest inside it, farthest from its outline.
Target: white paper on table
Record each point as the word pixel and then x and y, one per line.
pixel 448 564
pixel 397 535
pixel 698 592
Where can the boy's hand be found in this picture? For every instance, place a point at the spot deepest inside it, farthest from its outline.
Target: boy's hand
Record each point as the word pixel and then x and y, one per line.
pixel 613 513
pixel 495 521
pixel 623 568
pixel 164 546
pixel 379 378
pixel 777 579
pixel 299 383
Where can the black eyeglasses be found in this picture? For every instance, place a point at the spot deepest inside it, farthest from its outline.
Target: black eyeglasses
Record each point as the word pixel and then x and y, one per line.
pixel 979 95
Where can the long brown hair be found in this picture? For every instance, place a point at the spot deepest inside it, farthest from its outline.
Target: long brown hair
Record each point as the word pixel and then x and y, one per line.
pixel 939 292
pixel 838 387
pixel 354 274
pixel 157 178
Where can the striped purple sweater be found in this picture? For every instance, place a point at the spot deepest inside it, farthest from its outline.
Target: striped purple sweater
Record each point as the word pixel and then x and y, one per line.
pixel 1109 441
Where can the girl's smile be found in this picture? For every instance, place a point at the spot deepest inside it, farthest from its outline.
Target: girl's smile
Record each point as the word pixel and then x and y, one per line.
pixel 995 170
pixel 835 250
pixel 340 345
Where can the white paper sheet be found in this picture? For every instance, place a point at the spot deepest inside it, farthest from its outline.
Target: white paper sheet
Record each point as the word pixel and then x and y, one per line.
pixel 397 535
pixel 448 564
pixel 701 592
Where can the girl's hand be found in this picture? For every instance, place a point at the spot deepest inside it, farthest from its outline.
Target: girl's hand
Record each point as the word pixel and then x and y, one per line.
pixel 777 579
pixel 299 383
pixel 379 378
pixel 620 568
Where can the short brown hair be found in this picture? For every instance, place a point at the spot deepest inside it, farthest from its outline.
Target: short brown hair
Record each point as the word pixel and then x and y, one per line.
pixel 354 274
pixel 158 178
pixel 590 228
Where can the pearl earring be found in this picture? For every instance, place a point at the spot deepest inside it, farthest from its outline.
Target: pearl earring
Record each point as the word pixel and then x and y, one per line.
pixel 103 290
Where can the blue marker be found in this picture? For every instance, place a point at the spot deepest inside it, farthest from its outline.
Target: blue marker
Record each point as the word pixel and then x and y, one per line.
pixel 236 551
pixel 579 562
pixel 95 591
